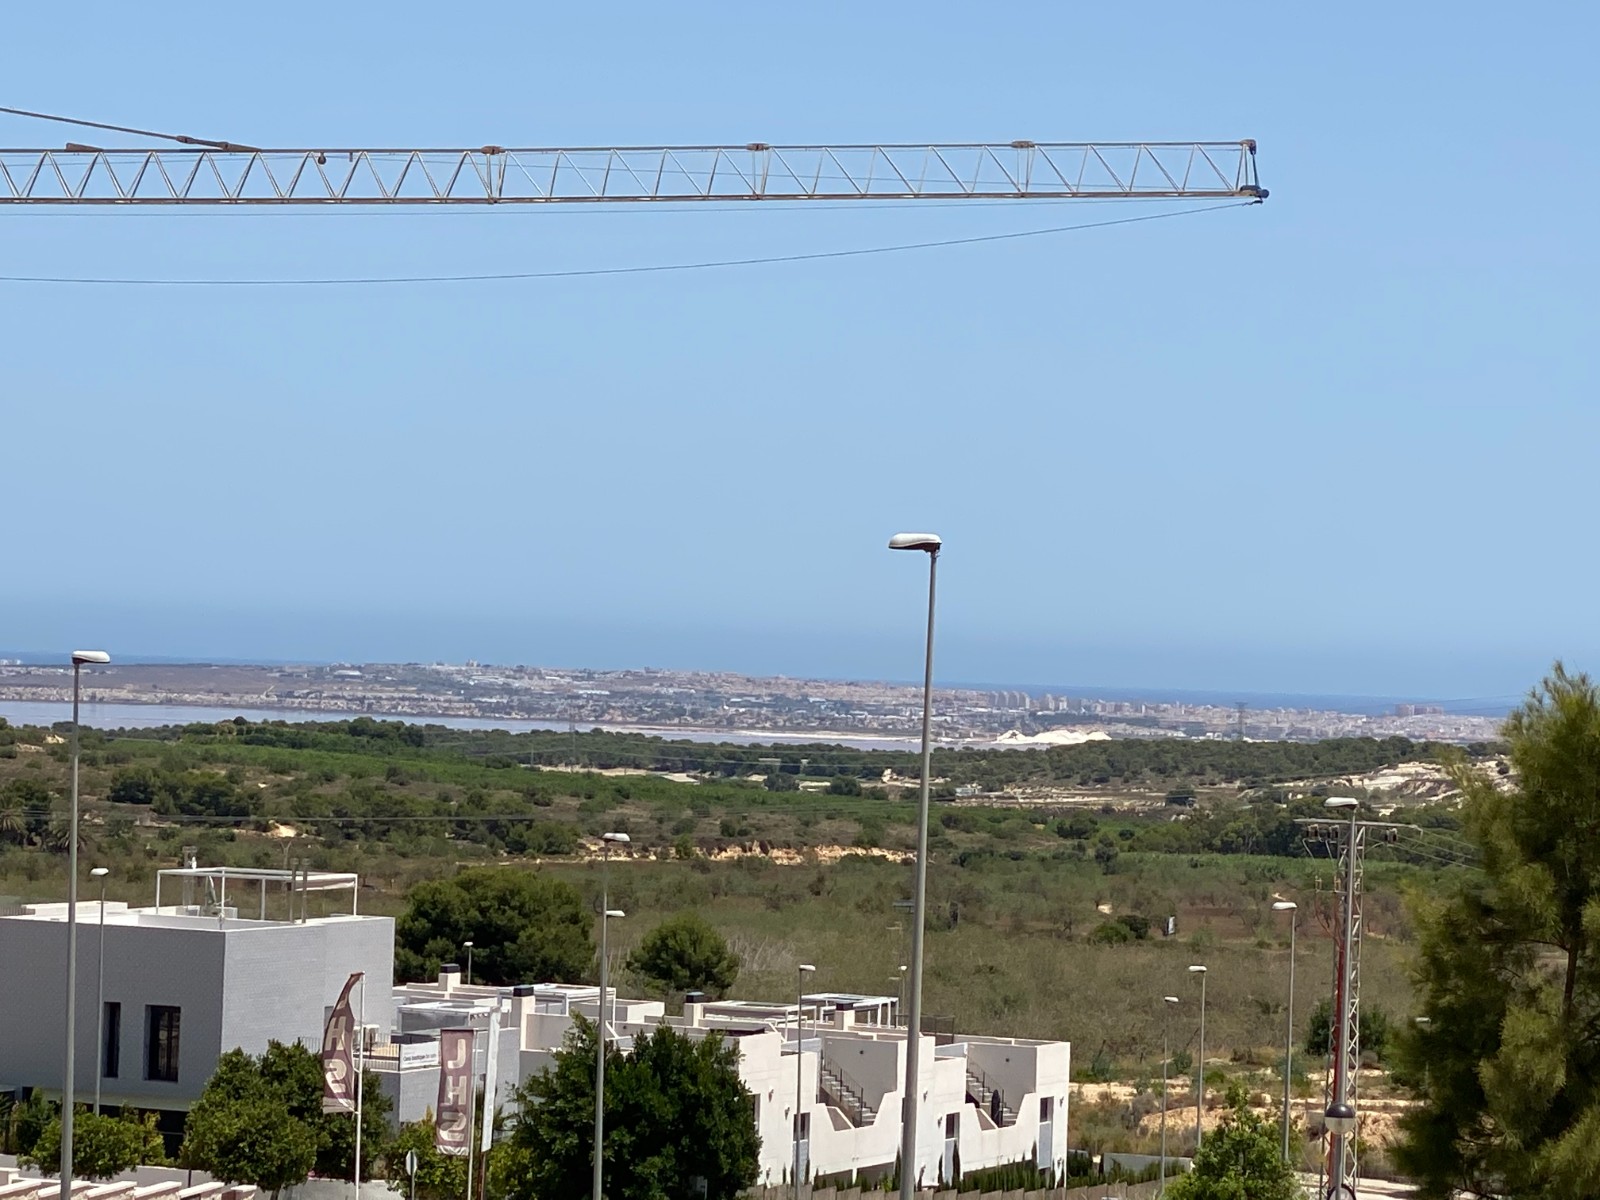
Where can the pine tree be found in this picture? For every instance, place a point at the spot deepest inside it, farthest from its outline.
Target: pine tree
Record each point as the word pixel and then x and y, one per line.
pixel 1509 968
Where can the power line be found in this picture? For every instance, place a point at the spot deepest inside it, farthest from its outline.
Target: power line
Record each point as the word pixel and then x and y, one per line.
pixel 591 272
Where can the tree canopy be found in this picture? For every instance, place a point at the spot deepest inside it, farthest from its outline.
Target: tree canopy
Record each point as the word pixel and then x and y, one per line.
pixel 103 1146
pixel 685 954
pixel 260 1121
pixel 1509 973
pixel 676 1113
pixel 525 928
pixel 1239 1160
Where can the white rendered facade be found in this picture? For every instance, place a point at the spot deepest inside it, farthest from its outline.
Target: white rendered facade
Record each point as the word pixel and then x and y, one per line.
pixel 985 1101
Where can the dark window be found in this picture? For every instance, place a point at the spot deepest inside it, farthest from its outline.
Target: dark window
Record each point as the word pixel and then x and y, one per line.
pixel 111 1049
pixel 161 1043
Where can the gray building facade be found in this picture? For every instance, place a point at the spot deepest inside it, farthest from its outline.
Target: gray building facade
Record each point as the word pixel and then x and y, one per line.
pixel 182 985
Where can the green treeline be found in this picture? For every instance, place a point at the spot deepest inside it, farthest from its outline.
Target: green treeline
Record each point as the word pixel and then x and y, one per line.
pixel 418 789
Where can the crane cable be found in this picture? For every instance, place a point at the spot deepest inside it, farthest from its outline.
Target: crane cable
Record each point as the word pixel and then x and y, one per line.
pixel 182 138
pixel 591 272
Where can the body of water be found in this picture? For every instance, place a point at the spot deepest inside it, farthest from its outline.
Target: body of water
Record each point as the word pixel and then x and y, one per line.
pixel 146 716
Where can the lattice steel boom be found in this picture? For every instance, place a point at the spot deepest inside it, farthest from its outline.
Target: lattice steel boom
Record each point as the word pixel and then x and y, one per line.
pixel 1018 170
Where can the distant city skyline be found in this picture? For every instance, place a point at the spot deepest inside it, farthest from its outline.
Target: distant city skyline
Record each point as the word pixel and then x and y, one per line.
pixel 1273 690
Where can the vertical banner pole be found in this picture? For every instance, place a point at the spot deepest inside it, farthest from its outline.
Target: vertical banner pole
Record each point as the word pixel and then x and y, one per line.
pixel 361 1068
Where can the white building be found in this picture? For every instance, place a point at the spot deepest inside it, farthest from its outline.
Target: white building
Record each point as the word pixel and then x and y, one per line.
pixel 984 1101
pixel 225 958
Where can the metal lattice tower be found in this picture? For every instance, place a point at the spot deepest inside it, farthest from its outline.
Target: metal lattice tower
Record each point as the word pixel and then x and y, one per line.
pixel 1346 1030
pixel 229 174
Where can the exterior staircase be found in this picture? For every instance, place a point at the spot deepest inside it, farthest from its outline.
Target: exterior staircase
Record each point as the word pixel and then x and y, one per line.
pixel 988 1097
pixel 837 1089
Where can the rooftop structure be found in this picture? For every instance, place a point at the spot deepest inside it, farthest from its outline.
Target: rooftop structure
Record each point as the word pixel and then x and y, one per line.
pixel 225 959
pixel 987 1101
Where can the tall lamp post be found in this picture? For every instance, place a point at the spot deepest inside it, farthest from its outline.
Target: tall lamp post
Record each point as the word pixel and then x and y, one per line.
pixel 1341 1115
pixel 930 544
pixel 467 946
pixel 607 841
pixel 1423 1025
pixel 1290 907
pixel 100 873
pixel 68 1083
pixel 1166 1055
pixel 799 1062
pixel 1200 1062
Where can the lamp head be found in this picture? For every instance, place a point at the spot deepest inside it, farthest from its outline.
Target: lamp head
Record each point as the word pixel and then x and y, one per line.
pixel 620 839
pixel 806 968
pixel 466 945
pixel 1197 970
pixel 1284 906
pixel 929 542
pixel 80 657
pixel 1340 802
pixel 1340 1118
pixel 1172 1000
pixel 102 872
pixel 615 912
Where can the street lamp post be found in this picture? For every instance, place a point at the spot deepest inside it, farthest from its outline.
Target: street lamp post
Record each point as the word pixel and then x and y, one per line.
pixel 100 873
pixel 1341 1115
pixel 799 1062
pixel 607 841
pixel 467 946
pixel 1166 1055
pixel 1290 907
pixel 1423 1025
pixel 68 1083
pixel 930 544
pixel 1200 1062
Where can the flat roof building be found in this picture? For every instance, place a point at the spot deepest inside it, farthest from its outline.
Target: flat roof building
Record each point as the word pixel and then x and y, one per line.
pixel 986 1101
pixel 226 958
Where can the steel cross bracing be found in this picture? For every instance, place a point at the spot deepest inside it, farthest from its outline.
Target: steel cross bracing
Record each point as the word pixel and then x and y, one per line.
pixel 1342 1150
pixel 498 175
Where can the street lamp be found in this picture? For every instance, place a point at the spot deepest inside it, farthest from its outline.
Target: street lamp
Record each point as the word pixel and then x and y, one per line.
pixel 1200 1061
pixel 68 1083
pixel 100 873
pixel 1341 1117
pixel 1166 1055
pixel 1290 907
pixel 607 841
pixel 900 1002
pixel 467 946
pixel 799 1061
pixel 1423 1025
pixel 930 544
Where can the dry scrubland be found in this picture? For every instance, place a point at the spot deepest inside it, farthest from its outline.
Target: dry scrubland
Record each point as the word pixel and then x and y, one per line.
pixel 1015 902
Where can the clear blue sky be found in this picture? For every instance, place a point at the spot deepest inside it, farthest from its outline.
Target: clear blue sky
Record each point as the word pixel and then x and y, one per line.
pixel 1341 442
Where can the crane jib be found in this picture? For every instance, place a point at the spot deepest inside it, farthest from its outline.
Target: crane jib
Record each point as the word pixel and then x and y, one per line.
pixel 1019 170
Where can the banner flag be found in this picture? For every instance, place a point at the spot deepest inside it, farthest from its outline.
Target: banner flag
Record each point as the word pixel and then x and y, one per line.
pixel 489 1079
pixel 453 1115
pixel 338 1058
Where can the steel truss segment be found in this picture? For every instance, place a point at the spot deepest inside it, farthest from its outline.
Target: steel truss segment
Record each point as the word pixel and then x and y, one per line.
pixel 1347 966
pixel 495 175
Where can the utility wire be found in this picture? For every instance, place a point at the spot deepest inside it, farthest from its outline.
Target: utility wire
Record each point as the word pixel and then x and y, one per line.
pixel 589 272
